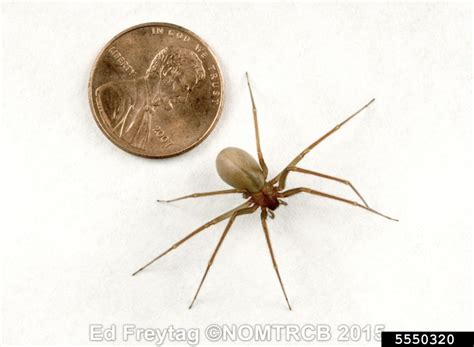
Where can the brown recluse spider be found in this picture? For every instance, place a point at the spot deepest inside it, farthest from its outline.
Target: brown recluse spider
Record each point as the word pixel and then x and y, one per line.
pixel 240 170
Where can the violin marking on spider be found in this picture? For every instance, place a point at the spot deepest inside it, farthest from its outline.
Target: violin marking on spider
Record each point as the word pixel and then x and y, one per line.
pixel 242 172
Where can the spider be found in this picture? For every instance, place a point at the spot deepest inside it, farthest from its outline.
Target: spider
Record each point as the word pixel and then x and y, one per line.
pixel 241 171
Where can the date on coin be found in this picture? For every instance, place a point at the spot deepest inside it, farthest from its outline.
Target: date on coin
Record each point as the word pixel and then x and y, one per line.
pixel 156 90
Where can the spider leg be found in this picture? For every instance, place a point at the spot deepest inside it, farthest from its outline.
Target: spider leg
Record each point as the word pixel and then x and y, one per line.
pixel 199 195
pixel 198 230
pixel 257 134
pixel 281 177
pixel 263 218
pixel 221 240
pixel 294 191
pixel 314 173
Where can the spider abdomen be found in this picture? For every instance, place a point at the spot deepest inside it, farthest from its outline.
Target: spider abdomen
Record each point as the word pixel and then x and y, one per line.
pixel 239 169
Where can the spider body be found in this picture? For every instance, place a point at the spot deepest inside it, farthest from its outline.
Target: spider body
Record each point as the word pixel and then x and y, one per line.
pixel 240 170
pixel 249 177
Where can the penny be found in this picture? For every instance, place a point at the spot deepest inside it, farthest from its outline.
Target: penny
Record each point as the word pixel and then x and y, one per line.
pixel 156 90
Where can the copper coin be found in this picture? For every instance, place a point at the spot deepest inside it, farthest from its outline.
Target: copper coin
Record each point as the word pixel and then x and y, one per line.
pixel 156 90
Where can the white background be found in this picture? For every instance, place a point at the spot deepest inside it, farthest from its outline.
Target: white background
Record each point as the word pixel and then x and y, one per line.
pixel 79 214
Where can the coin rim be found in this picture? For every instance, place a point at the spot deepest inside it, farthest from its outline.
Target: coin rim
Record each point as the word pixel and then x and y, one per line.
pixel 102 126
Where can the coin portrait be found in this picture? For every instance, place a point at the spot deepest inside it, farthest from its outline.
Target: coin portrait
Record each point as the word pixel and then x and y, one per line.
pixel 156 90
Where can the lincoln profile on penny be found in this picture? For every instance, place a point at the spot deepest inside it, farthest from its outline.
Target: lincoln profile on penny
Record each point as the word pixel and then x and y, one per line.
pixel 129 105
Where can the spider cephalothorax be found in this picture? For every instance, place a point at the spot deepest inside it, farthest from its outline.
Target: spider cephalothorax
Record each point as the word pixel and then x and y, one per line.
pixel 241 171
pixel 268 197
